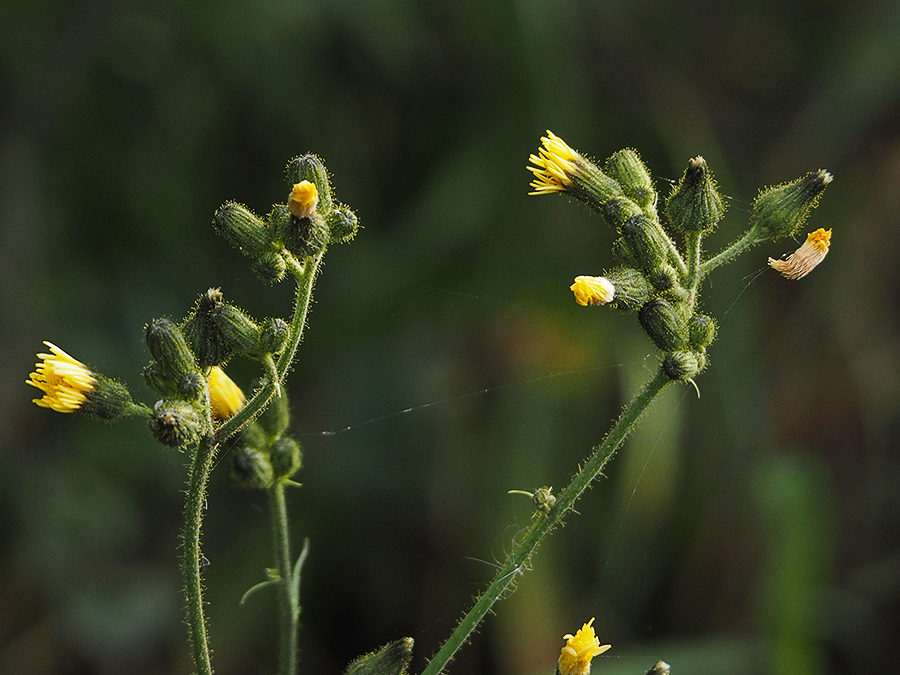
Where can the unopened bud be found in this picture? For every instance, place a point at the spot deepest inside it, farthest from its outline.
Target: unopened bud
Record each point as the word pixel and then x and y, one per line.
pixel 626 167
pixel 251 469
pixel 392 659
pixel 237 328
pixel 695 204
pixel 170 350
pixel 175 423
pixel 311 168
pixel 269 268
pixel 286 456
pixel 664 323
pixel 203 335
pixel 702 330
pixel 782 210
pixel 277 416
pixel 272 336
pixel 632 288
pixel 681 365
pixel 643 244
pixel 343 225
pixel 243 229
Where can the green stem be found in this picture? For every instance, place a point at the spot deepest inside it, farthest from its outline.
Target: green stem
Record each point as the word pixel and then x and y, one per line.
pixel 692 241
pixel 544 523
pixel 195 504
pixel 287 603
pixel 751 238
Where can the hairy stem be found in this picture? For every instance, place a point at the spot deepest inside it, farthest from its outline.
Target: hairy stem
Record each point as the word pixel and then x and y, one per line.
pixel 544 523
pixel 287 603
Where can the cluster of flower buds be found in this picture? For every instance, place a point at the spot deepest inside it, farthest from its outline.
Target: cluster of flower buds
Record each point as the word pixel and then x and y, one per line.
pixel 265 453
pixel 185 369
pixel 302 227
pixel 658 279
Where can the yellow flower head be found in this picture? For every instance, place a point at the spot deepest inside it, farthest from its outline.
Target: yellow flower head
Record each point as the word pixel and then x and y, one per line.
pixel 225 397
pixel 303 199
pixel 802 261
pixel 555 165
pixel 575 657
pixel 593 290
pixel 65 381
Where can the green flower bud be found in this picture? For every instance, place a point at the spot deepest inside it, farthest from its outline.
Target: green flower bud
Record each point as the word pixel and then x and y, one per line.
pixel 286 456
pixel 619 210
pixel 169 348
pixel 695 204
pixel 392 659
pixel 665 324
pixel 277 416
pixel 272 336
pixel 175 423
pixel 269 267
pixel 782 210
pixel 632 288
pixel 243 229
pixel 626 167
pixel 311 168
pixel 304 237
pixel 236 328
pixel 701 330
pixel 643 244
pixel 681 365
pixel 203 335
pixel 343 225
pixel 251 469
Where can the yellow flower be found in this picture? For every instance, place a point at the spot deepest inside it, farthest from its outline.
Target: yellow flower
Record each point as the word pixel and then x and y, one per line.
pixel 225 397
pixel 65 381
pixel 575 657
pixel 303 199
pixel 802 261
pixel 555 165
pixel 593 290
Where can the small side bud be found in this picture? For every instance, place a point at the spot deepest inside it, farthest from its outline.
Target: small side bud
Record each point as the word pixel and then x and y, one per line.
pixel 626 167
pixel 664 324
pixel 343 225
pixel 780 211
pixel 702 331
pixel 277 416
pixel 286 456
pixel 175 423
pixel 695 204
pixel 243 229
pixel 312 169
pixel 543 499
pixel 272 336
pixel 681 365
pixel 270 268
pixel 392 659
pixel 236 328
pixel 170 350
pixel 251 469
pixel 203 335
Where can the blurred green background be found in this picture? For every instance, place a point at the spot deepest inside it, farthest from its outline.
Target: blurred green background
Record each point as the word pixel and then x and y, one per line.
pixel 753 530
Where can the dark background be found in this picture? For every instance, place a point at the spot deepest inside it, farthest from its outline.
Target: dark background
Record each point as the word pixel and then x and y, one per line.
pixel 753 530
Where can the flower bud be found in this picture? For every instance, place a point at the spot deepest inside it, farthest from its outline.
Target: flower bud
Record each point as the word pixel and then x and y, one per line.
pixel 643 244
pixel 269 268
pixel 304 237
pixel 243 229
pixel 236 328
pixel 286 456
pixel 626 167
pixel 701 330
pixel 632 288
pixel 593 290
pixel 251 469
pixel 392 659
pixel 695 204
pixel 272 336
pixel 664 323
pixel 681 365
pixel 619 210
pixel 203 335
pixel 343 225
pixel 175 423
pixel 311 168
pixel 782 210
pixel 169 348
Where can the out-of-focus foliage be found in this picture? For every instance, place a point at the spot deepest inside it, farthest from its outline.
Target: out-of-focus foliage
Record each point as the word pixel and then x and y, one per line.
pixel 754 530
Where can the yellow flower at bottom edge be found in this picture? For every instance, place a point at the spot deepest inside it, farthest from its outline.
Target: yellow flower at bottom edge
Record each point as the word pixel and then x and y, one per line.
pixel 65 381
pixel 593 290
pixel 225 397
pixel 802 261
pixel 575 657
pixel 303 199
